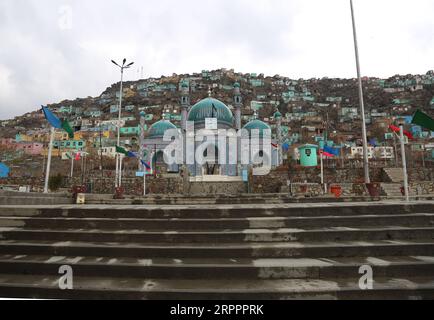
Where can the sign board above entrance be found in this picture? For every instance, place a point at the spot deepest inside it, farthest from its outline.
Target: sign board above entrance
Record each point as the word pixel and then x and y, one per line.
pixel 211 123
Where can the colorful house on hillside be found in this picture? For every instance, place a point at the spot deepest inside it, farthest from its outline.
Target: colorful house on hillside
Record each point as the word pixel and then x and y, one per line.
pixel 308 155
pixel 4 170
pixel 76 145
pixel 31 148
pixel 8 142
pixel 130 130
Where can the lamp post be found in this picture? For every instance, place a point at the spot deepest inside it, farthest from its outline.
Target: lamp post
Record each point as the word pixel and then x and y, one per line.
pixel 362 106
pixel 118 159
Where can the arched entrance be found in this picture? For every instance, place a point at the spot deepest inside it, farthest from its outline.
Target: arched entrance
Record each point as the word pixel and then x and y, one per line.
pixel 159 166
pixel 211 166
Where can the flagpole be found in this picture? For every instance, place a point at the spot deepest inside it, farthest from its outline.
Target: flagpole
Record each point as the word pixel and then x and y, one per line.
pixel 50 149
pixel 144 180
pixel 72 165
pixel 362 106
pixel 120 170
pixel 404 164
pixel 142 148
pixel 322 170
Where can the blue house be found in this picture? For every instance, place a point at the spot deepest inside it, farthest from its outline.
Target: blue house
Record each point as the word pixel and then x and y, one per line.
pixel 114 108
pixel 4 170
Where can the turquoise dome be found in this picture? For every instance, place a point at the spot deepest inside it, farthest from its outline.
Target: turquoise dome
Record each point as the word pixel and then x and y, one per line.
pixel 159 128
pixel 204 109
pixel 258 125
pixel 277 115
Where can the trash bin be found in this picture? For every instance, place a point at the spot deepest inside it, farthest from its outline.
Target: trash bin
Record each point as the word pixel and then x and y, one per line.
pixel 119 193
pixel 374 189
pixel 76 190
pixel 336 190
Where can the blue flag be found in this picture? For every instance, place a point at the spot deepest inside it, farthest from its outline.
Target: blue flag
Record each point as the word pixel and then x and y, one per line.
pixel 331 150
pixel 51 118
pixel 131 154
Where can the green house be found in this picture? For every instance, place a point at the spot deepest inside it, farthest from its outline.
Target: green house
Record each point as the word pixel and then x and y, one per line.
pixel 70 144
pixel 308 155
pixel 130 130
pixel 64 109
pixel 257 82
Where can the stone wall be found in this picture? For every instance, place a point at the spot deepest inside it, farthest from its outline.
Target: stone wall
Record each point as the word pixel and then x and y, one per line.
pixel 271 183
pixel 132 186
pixel 421 174
pixel 350 179
pixel 421 188
pixel 220 188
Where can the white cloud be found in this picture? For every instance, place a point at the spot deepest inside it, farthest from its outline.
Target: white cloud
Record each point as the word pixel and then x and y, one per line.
pixel 42 61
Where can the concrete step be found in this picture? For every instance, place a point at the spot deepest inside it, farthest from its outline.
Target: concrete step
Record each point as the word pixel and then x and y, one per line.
pixel 181 224
pixel 34 200
pixel 37 286
pixel 215 252
pixel 221 236
pixel 223 250
pixel 163 268
pixel 221 211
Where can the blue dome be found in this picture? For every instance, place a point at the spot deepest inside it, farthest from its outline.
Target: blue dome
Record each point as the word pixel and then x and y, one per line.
pixel 211 108
pixel 158 129
pixel 258 125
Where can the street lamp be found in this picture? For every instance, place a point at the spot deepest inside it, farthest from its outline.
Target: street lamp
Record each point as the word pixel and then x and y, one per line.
pixel 362 106
pixel 118 177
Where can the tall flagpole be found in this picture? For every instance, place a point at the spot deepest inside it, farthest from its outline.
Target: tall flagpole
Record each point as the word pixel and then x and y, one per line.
pixel 50 149
pixel 121 156
pixel 142 149
pixel 404 164
pixel 362 105
pixel 72 165
pixel 322 170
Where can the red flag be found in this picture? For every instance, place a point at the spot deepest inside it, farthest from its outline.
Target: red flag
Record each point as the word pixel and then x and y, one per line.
pixel 77 156
pixel 326 154
pixel 398 130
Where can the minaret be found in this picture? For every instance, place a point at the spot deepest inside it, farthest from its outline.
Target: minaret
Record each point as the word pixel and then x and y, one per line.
pixel 278 118
pixel 238 105
pixel 185 105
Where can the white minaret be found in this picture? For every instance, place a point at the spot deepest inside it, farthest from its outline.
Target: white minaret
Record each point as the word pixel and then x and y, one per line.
pixel 238 105
pixel 185 105
pixel 278 118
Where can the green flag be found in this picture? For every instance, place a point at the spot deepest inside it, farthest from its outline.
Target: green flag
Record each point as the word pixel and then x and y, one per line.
pixel 423 120
pixel 121 150
pixel 68 129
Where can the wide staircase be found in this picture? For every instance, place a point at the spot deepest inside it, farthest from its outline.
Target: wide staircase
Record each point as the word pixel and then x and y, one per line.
pixel 394 175
pixel 391 190
pixel 282 251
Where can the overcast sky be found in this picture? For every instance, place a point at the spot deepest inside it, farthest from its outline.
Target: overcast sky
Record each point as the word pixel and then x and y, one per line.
pixel 53 50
